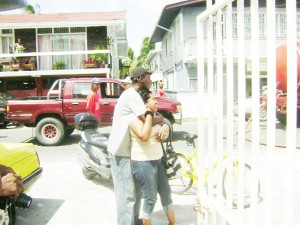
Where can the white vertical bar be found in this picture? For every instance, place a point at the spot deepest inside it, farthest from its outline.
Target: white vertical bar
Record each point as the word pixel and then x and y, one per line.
pixel 291 108
pixel 201 131
pixel 271 90
pixel 241 99
pixel 219 78
pixel 255 57
pixel 210 93
pixel 230 88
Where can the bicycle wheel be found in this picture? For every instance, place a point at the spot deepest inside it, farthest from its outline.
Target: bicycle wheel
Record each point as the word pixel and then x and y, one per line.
pixel 183 179
pixel 235 184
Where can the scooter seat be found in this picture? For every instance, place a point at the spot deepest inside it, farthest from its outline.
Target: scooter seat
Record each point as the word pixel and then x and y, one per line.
pixel 92 137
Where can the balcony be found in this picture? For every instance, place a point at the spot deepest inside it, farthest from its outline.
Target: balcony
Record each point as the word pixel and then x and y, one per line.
pixel 56 63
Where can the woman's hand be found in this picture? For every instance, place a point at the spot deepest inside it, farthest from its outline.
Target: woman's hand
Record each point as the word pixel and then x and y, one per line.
pixel 163 132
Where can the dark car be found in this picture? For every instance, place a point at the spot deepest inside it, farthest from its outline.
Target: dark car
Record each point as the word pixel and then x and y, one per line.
pixel 3 98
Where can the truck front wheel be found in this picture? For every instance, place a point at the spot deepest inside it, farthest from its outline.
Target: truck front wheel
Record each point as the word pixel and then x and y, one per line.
pixel 50 131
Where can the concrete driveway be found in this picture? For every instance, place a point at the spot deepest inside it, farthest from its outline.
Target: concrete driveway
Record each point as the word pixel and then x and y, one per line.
pixel 63 196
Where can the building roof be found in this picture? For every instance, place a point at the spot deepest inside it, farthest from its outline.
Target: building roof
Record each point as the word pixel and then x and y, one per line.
pixel 168 15
pixel 59 19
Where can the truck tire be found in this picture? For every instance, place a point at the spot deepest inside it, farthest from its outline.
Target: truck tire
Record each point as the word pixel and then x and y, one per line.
pixel 50 131
pixel 281 118
pixel 69 131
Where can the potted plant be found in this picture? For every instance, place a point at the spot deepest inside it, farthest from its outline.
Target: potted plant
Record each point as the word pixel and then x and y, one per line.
pixel 100 58
pixel 60 65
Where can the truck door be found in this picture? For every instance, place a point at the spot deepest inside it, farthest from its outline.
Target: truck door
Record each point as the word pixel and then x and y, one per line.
pixel 110 92
pixel 75 100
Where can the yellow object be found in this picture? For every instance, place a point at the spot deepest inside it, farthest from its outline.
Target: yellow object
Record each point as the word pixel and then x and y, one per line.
pixel 23 159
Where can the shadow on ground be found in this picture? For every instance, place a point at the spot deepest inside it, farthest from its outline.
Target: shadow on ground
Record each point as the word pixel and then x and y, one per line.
pixel 184 214
pixel 40 212
pixel 72 139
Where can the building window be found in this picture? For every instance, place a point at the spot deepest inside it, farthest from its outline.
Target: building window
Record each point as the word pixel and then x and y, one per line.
pixel 44 30
pixel 166 48
pixel 7 44
pixel 7 31
pixel 193 84
pixel 170 42
pixel 61 30
pixel 234 25
pixel 247 22
pixel 281 25
pixel 281 28
pixel 77 29
pixel 262 26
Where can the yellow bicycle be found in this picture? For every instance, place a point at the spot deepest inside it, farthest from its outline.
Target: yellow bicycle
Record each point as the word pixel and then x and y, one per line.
pixel 188 175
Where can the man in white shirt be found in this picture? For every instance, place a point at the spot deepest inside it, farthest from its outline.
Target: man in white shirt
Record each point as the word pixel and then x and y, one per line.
pixel 129 106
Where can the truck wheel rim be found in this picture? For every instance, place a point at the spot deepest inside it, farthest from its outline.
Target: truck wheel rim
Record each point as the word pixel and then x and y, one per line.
pixel 49 131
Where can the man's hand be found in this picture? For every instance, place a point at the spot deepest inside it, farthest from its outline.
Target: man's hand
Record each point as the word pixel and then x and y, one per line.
pixel 157 119
pixel 11 185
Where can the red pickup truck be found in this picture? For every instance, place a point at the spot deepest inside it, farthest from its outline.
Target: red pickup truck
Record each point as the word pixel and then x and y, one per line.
pixel 53 115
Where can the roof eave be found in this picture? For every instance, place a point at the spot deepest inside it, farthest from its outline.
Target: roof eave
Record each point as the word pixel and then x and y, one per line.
pixel 169 13
pixel 62 24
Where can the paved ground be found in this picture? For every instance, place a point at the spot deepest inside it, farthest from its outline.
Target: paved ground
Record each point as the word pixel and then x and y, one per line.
pixel 63 196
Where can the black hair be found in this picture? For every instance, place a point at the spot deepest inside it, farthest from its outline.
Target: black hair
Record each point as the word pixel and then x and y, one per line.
pixel 145 95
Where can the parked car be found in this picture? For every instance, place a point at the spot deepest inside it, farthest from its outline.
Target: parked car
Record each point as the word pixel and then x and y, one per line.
pixel 3 98
pixel 24 160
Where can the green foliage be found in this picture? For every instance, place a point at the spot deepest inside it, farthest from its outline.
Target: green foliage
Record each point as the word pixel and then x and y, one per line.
pixel 29 9
pixel 109 41
pixel 130 53
pixel 1 67
pixel 99 57
pixel 136 61
pixel 145 49
pixel 60 65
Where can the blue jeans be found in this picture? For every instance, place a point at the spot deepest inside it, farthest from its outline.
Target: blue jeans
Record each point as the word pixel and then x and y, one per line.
pixel 152 177
pixel 128 194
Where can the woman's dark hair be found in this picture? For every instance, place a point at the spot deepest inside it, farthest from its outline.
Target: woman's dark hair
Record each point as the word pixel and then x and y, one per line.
pixel 145 94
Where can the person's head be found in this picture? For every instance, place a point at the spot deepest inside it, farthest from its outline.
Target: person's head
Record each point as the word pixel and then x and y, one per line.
pixel 95 84
pixel 161 84
pixel 127 82
pixel 141 76
pixel 148 99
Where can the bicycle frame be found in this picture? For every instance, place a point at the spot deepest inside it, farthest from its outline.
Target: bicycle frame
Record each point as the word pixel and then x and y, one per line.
pixel 193 160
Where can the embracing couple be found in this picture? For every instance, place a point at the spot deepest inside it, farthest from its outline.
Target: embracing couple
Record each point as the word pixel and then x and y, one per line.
pixel 135 154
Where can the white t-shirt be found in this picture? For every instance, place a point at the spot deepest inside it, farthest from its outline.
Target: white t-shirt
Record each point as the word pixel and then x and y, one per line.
pixel 145 151
pixel 129 106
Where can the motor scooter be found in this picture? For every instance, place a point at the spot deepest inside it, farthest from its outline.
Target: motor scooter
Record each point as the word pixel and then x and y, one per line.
pixel 92 153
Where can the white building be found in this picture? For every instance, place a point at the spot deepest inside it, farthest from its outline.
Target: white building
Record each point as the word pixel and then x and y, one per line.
pixel 177 50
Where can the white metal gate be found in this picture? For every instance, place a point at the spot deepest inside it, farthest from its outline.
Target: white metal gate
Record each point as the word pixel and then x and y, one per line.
pixel 237 40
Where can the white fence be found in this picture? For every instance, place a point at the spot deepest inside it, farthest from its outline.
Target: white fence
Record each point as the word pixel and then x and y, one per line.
pixel 257 145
